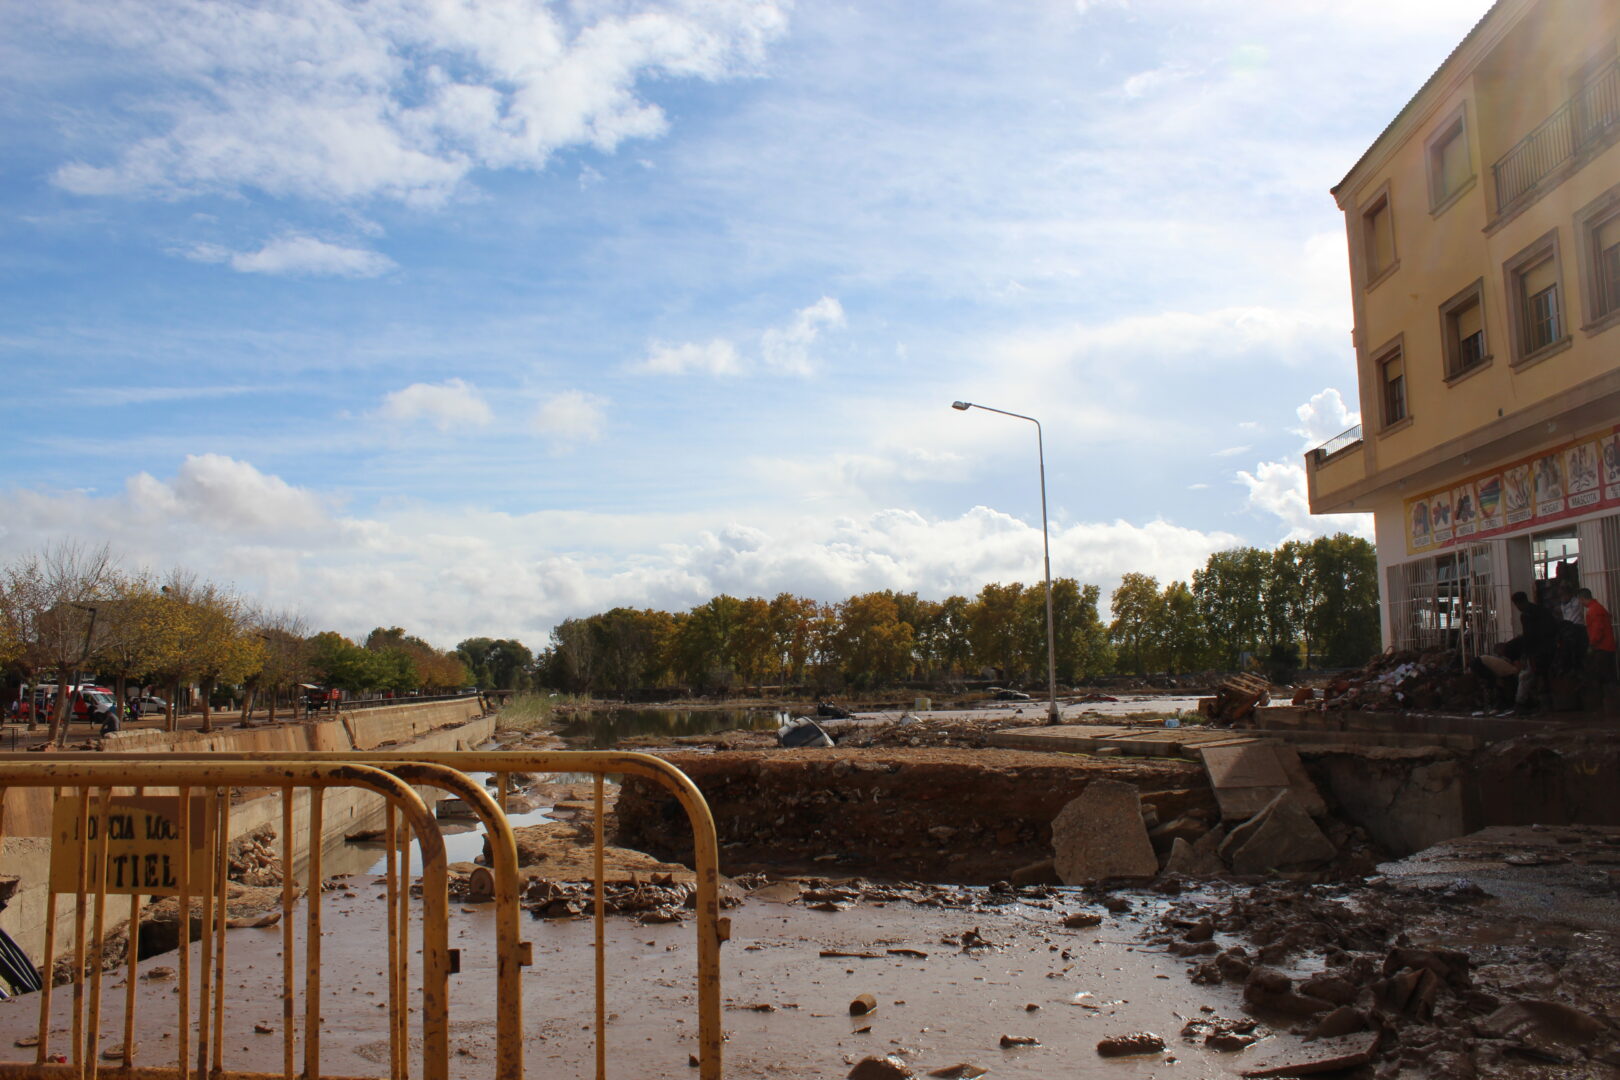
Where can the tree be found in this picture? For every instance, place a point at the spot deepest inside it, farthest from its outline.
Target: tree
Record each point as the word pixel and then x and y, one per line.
pixel 1139 622
pixel 791 621
pixel 1185 640
pixel 1230 592
pixel 50 603
pixel 285 660
pixel 873 645
pixel 1341 607
pixel 1082 639
pixel 993 629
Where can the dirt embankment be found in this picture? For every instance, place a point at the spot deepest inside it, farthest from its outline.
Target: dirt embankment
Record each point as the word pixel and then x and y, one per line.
pixel 962 816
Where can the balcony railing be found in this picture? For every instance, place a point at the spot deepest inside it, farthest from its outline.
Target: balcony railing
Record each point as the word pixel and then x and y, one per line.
pixel 1344 440
pixel 1583 122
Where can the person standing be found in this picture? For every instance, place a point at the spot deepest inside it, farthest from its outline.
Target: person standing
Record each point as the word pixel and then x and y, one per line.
pixel 1600 641
pixel 1539 633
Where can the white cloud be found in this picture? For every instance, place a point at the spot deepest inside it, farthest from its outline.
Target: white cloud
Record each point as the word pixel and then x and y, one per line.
pixel 785 349
pixel 297 254
pixel 1232 451
pixel 717 357
pixel 451 574
pixel 391 99
pixel 1279 488
pixel 447 404
pixel 222 494
pixel 1323 417
pixel 570 418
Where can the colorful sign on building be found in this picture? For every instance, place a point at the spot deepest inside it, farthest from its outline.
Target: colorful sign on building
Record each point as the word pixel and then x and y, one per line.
pixel 1561 482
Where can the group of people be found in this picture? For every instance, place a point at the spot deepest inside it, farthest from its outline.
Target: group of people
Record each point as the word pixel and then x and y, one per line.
pixel 1565 648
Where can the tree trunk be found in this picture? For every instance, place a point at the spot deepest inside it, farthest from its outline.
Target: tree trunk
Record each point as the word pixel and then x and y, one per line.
pixel 207 688
pixel 270 702
pixel 120 687
pixel 61 715
pixel 171 719
pixel 250 694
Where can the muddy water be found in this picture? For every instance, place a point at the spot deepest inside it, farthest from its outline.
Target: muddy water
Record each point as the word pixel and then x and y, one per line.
pixel 945 1007
pixel 604 728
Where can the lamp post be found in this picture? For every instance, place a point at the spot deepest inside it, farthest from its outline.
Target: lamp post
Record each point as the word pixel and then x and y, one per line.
pixel 1052 714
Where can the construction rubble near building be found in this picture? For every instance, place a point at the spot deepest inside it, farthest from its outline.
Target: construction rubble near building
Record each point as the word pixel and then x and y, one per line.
pixel 1381 890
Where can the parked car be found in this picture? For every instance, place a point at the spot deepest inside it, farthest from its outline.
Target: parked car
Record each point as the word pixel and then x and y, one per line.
pixel 146 705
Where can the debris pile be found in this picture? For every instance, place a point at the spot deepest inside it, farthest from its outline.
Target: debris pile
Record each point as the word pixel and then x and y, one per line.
pixel 252 859
pixel 660 900
pixel 1400 680
pixel 1342 967
pixel 1236 698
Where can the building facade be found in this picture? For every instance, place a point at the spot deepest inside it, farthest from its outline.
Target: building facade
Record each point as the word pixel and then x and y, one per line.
pixel 1484 237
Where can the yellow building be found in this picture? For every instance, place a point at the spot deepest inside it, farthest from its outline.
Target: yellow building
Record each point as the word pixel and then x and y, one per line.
pixel 1484 233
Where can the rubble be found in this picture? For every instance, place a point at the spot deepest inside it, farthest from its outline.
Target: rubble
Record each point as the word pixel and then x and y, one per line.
pixel 1140 1042
pixel 1101 836
pixel 1236 698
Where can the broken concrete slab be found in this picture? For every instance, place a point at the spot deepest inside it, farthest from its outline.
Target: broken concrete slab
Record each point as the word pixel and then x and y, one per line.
pixel 1248 776
pixel 1193 861
pixel 1280 837
pixel 1328 1055
pixel 1101 836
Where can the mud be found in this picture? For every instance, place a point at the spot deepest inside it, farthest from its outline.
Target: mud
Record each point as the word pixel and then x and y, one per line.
pixel 943 815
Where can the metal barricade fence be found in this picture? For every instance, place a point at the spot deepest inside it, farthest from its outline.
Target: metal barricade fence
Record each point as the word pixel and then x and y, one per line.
pixel 448 770
pixel 122 833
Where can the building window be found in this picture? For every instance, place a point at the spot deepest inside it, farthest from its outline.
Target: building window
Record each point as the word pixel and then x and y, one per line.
pixel 1392 374
pixel 1451 168
pixel 1536 300
pixel 1378 236
pixel 1462 330
pixel 1598 228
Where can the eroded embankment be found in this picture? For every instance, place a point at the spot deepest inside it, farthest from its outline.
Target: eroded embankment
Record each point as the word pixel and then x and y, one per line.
pixel 966 816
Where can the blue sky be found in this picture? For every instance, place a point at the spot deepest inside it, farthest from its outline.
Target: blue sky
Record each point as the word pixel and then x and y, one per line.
pixel 471 317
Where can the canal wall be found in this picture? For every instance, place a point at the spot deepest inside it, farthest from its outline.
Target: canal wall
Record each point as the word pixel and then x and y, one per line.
pixel 428 727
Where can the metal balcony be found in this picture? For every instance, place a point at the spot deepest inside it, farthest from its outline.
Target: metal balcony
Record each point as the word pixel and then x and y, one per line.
pixel 1585 122
pixel 1344 440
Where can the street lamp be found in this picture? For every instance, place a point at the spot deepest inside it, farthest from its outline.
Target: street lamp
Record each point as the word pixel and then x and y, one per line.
pixel 1052 714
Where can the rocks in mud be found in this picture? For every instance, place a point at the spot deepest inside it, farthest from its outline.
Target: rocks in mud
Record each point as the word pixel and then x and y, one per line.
pixel 863 1004
pixel 660 901
pixel 881 1068
pixel 252 860
pixel 1139 1042
pixel 1101 836
pixel 1280 837
pixel 1010 1041
pixel 1196 860
pixel 1081 920
pixel 1270 990
pixel 1221 1033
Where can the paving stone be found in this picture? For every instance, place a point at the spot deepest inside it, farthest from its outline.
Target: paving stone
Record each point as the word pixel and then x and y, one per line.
pixel 1280 836
pixel 1247 777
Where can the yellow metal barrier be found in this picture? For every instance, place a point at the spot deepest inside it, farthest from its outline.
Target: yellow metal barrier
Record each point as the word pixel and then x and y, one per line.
pixel 447 770
pixel 146 844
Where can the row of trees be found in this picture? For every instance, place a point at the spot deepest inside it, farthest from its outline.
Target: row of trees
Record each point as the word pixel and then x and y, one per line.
pixel 1318 600
pixel 1315 603
pixel 873 639
pixel 70 612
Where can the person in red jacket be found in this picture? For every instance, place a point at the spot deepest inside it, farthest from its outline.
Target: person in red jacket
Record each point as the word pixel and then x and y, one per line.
pixel 1599 638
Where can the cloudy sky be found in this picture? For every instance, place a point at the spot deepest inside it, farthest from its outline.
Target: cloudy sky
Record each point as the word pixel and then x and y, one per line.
pixel 472 316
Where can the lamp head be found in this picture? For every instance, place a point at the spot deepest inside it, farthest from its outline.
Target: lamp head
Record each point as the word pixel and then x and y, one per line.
pixel 962 406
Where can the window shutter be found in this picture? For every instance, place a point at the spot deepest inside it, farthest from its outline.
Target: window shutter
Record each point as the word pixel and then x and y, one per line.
pixel 1469 322
pixel 1454 168
pixel 1538 277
